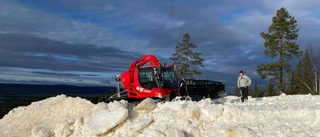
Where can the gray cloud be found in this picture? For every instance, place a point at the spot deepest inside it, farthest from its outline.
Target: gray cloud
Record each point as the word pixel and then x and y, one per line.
pixel 31 52
pixel 92 41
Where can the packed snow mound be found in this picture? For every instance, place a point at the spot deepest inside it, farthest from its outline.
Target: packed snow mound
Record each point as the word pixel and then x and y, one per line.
pixel 63 116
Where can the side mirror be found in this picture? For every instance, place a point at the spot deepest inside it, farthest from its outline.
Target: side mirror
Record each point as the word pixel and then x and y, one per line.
pixel 117 77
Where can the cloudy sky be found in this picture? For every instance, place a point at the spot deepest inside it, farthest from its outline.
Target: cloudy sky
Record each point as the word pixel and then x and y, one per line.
pixel 83 42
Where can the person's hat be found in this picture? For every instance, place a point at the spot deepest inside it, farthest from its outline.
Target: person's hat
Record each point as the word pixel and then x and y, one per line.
pixel 241 71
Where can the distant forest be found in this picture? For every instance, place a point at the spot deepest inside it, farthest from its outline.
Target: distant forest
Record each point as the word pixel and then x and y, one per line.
pixel 15 95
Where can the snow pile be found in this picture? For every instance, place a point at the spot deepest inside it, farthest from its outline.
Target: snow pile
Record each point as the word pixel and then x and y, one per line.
pixel 62 116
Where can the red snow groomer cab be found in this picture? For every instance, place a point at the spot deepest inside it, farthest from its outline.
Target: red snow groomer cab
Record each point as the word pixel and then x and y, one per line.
pixel 147 78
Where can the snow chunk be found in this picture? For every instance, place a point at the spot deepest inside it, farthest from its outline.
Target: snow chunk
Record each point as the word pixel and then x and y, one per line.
pixel 140 123
pixel 104 120
pixel 59 116
pixel 42 132
pixel 142 108
pixel 173 132
pixel 146 105
pixel 240 132
pixel 152 133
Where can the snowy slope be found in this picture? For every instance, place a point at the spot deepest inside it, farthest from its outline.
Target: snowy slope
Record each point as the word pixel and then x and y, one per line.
pixel 61 116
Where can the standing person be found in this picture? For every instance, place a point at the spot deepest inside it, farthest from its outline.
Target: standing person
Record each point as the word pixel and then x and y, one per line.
pixel 243 84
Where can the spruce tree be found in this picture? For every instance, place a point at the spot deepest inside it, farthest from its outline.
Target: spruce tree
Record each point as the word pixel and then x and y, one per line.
pixel 255 88
pixel 256 92
pixel 293 82
pixel 317 70
pixel 270 89
pixel 305 74
pixel 279 42
pixel 186 60
pixel 237 92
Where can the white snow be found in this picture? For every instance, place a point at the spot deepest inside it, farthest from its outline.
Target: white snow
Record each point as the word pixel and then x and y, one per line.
pixel 62 116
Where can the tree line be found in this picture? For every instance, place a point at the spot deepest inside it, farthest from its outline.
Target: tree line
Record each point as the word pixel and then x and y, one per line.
pixel 280 45
pixel 301 79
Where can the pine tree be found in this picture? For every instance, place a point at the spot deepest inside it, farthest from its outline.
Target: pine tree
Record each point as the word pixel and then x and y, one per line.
pixel 279 41
pixel 186 59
